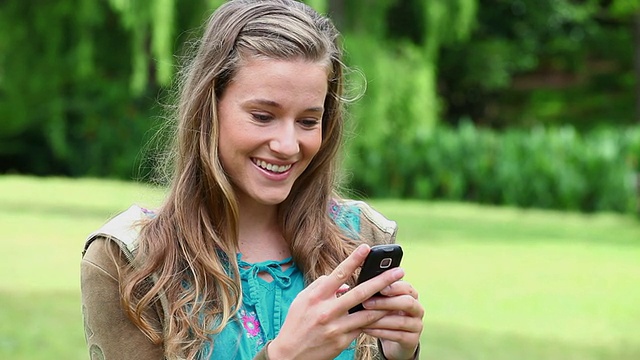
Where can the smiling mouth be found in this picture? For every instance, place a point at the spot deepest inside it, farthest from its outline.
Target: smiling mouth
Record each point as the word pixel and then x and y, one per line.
pixel 271 167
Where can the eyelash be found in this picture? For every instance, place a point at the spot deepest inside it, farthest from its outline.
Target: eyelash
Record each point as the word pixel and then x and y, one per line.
pixel 262 118
pixel 306 123
pixel 310 123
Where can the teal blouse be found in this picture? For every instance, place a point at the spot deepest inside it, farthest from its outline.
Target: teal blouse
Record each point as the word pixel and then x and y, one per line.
pixel 265 304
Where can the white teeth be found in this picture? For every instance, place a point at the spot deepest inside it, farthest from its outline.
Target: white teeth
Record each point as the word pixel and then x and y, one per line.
pixel 272 167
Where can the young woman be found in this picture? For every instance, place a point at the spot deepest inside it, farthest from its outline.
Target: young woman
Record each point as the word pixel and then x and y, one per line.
pixel 253 251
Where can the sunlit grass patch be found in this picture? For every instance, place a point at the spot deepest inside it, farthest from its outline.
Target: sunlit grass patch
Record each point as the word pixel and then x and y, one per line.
pixel 497 283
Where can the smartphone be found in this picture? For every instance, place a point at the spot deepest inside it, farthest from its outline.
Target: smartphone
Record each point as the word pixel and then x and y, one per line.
pixel 380 259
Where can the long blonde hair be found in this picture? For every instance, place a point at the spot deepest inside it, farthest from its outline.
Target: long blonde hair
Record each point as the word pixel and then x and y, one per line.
pixel 193 238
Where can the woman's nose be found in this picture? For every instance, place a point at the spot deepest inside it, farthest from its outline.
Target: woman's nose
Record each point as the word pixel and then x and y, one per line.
pixel 285 140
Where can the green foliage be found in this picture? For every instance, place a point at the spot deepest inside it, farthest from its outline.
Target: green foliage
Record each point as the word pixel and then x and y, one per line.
pixel 148 21
pixel 520 48
pixel 80 81
pixel 556 168
pixel 398 107
pixel 399 61
pixel 400 57
pixel 447 22
pixel 53 76
pixel 320 6
pixel 625 7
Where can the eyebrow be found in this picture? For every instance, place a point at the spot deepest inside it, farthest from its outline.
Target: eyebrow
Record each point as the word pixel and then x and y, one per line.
pixel 274 104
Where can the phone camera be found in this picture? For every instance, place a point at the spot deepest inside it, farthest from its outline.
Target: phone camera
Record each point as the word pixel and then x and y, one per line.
pixel 385 263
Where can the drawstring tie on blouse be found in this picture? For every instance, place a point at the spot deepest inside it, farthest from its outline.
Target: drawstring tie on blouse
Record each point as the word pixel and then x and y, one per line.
pixel 280 282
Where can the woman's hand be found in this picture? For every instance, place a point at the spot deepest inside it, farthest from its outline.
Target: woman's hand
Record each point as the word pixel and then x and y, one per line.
pixel 399 331
pixel 318 324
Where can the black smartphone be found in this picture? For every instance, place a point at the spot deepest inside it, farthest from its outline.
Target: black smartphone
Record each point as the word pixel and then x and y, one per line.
pixel 380 259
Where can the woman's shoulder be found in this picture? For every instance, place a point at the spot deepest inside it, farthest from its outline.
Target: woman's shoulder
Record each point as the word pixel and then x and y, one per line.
pixel 123 229
pixel 358 217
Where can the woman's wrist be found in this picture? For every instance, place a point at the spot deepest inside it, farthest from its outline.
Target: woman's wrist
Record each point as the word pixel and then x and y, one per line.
pixel 275 351
pixel 416 354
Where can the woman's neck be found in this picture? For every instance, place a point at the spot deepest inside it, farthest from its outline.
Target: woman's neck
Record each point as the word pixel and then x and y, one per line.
pixel 260 236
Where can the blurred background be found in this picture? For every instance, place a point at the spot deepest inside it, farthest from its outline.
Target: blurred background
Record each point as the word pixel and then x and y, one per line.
pixel 502 135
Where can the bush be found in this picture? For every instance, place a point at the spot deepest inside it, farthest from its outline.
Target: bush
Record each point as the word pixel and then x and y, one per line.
pixel 554 168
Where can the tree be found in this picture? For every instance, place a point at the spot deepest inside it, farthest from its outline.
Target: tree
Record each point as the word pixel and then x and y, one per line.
pixel 533 62
pixel 79 80
pixel 396 45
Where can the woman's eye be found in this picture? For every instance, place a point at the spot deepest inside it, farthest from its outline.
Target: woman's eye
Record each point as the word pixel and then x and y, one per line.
pixel 309 123
pixel 261 117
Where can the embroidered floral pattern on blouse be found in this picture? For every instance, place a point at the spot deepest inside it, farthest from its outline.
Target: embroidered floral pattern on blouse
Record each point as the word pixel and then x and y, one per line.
pixel 148 212
pixel 251 324
pixel 347 216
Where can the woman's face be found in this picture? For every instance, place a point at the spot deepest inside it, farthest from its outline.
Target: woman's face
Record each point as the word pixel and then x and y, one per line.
pixel 270 118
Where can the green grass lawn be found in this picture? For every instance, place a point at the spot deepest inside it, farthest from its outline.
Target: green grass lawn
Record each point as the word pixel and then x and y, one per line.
pixel 497 283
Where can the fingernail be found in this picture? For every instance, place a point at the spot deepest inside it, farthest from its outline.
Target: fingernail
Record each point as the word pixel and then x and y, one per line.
pixel 398 273
pixel 342 289
pixel 369 303
pixel 362 249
